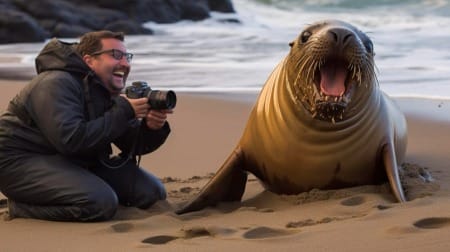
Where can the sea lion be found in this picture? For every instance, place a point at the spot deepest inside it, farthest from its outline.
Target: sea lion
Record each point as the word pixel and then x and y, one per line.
pixel 320 121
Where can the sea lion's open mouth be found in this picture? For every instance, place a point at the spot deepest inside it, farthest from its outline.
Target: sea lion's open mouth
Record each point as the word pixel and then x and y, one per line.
pixel 332 78
pixel 332 84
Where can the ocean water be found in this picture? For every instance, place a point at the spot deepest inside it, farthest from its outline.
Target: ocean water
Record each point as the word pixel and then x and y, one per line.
pixel 411 40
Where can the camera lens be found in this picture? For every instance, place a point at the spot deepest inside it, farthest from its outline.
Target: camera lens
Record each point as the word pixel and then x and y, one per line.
pixel 162 99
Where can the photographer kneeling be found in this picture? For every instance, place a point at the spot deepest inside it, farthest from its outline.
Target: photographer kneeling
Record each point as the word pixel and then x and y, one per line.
pixel 56 135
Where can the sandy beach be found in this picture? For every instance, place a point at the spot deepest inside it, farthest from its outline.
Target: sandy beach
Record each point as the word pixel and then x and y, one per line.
pixel 205 129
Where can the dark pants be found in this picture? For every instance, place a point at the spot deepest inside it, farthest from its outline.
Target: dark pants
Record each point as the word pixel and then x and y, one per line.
pixel 52 188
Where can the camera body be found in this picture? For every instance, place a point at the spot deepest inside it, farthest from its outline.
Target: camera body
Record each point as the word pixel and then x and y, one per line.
pixel 157 99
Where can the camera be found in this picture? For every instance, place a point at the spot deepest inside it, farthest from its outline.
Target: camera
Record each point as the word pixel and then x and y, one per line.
pixel 157 99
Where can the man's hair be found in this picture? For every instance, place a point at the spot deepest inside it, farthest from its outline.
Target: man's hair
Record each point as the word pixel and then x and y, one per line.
pixel 91 42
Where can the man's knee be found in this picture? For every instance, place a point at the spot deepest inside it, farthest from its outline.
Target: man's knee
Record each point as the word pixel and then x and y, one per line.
pixel 159 192
pixel 146 198
pixel 100 208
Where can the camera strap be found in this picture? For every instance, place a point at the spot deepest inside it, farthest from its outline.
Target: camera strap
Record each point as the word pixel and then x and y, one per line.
pixel 91 116
pixel 131 154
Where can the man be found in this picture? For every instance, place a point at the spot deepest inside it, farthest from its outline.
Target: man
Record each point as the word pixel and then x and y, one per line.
pixel 56 158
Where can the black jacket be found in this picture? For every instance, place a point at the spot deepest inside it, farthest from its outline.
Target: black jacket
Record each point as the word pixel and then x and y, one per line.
pixel 66 109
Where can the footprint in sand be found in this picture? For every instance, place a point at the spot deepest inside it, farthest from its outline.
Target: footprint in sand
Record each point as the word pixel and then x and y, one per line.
pixel 425 223
pixel 190 233
pixel 353 201
pixel 159 239
pixel 122 227
pixel 194 232
pixel 383 207
pixel 265 232
pixel 433 222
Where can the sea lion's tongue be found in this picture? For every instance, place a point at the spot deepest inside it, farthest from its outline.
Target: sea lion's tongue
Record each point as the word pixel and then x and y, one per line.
pixel 332 81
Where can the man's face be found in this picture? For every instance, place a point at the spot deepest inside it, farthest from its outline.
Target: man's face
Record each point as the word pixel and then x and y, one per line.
pixel 112 71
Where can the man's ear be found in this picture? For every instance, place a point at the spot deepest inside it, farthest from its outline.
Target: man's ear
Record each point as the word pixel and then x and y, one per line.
pixel 88 60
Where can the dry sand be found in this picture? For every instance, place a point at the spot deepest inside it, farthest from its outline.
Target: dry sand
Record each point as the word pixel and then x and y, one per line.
pixel 205 130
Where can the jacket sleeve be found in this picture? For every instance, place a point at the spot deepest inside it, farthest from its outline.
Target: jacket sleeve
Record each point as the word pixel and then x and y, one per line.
pixel 56 106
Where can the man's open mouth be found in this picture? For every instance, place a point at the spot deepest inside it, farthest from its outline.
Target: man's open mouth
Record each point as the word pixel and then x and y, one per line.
pixel 119 74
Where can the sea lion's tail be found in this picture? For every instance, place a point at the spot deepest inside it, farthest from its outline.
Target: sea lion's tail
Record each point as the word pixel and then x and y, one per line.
pixel 227 185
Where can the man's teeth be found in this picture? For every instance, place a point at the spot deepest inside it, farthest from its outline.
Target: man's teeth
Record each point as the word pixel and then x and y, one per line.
pixel 119 73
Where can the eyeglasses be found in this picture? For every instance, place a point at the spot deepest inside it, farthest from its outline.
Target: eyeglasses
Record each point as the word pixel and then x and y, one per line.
pixel 116 54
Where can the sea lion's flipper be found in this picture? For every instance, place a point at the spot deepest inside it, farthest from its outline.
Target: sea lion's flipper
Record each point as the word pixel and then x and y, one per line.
pixel 392 171
pixel 227 185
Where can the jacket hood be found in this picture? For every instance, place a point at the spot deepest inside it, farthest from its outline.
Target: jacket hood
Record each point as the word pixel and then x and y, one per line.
pixel 59 55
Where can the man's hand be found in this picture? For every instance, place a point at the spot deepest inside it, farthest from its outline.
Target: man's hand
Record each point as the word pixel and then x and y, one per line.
pixel 140 106
pixel 155 119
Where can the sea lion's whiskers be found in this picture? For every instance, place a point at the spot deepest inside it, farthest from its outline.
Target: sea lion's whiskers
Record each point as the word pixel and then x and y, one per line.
pixel 297 89
pixel 310 72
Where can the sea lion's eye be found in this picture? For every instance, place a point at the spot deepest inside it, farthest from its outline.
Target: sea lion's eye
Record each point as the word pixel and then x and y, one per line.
pixel 369 46
pixel 305 36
